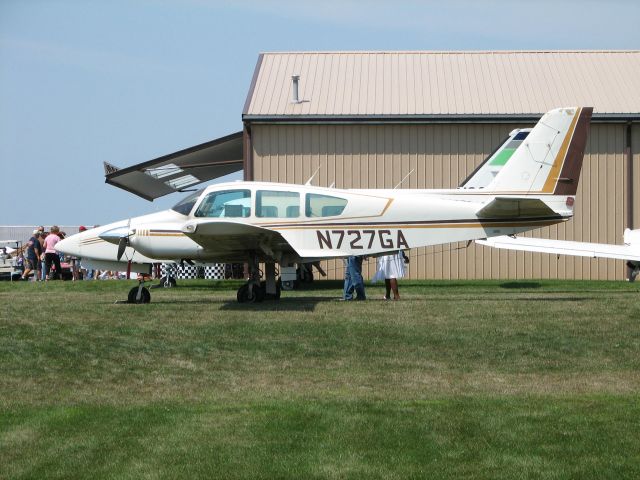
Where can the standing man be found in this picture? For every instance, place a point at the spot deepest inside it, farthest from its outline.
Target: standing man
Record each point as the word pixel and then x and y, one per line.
pixel 32 257
pixel 354 274
pixel 41 262
pixel 347 292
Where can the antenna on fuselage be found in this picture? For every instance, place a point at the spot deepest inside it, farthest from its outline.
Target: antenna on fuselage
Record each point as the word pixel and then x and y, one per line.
pixel 308 182
pixel 405 177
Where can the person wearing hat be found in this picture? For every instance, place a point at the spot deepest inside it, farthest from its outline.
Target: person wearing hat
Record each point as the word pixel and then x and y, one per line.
pixel 32 256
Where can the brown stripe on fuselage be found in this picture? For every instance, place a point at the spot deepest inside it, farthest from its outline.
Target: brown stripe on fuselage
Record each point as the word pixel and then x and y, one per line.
pixel 570 175
pixel 91 241
pixel 528 222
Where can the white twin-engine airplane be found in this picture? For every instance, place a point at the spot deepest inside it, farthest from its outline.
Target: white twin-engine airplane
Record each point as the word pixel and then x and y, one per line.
pixel 256 222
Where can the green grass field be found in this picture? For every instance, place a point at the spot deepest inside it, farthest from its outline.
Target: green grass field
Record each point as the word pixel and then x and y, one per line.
pixel 457 380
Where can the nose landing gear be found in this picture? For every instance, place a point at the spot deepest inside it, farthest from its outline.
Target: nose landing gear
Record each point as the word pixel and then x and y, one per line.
pixel 139 294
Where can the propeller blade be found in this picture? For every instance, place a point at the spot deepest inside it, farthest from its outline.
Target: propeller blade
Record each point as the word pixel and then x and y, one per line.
pixel 122 245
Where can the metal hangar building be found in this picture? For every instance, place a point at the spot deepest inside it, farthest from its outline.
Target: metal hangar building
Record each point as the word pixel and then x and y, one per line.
pixel 370 119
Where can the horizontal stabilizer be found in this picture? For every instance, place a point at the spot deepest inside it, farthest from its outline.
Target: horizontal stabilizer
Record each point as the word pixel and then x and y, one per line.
pixel 501 207
pixel 564 247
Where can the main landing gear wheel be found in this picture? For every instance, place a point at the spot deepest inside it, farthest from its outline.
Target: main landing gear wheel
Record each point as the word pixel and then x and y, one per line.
pixel 139 295
pixel 271 296
pixel 250 295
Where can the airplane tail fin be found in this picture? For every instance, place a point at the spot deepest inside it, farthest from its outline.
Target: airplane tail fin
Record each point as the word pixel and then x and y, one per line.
pixel 549 160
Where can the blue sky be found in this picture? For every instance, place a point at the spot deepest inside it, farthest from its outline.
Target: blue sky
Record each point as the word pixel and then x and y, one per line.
pixel 82 82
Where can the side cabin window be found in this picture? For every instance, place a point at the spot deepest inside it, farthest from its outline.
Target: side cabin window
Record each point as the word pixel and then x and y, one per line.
pixel 317 205
pixel 277 204
pixel 228 203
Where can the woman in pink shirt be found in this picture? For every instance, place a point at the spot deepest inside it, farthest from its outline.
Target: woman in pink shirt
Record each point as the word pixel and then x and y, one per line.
pixel 50 254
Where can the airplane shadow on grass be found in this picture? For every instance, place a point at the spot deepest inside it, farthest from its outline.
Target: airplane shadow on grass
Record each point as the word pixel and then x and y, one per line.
pixel 297 304
pixel 292 304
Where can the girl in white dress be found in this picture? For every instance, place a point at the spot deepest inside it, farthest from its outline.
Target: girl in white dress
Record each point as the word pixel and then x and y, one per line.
pixel 390 268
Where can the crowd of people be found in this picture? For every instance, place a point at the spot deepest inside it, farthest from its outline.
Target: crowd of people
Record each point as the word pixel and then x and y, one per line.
pixel 390 269
pixel 41 260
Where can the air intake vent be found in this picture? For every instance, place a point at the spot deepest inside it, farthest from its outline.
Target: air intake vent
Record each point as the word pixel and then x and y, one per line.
pixel 295 96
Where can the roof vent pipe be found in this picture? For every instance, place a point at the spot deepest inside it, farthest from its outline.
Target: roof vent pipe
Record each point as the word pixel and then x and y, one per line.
pixel 295 80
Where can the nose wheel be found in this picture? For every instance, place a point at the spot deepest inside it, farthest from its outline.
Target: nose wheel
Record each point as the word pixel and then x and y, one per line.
pixel 139 294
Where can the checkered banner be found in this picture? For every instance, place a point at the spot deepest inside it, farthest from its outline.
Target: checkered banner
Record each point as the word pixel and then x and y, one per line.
pixel 213 271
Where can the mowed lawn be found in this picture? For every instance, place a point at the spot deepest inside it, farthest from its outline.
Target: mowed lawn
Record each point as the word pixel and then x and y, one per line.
pixel 457 380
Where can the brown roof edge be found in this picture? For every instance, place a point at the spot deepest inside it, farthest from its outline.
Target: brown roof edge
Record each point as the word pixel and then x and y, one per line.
pixel 433 118
pixel 254 80
pixel 440 52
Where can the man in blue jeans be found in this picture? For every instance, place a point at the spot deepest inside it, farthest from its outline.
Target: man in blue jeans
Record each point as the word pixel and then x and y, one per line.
pixel 353 279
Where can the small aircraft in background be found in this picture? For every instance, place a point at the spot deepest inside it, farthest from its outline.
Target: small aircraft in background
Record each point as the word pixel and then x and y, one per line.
pixel 8 267
pixel 630 251
pixel 285 224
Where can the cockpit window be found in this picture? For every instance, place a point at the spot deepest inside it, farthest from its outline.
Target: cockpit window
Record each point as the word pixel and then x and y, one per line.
pixel 323 205
pixel 185 205
pixel 228 203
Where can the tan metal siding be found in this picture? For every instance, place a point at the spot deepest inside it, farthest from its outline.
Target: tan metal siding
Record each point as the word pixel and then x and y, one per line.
pixel 446 83
pixel 635 149
pixel 442 155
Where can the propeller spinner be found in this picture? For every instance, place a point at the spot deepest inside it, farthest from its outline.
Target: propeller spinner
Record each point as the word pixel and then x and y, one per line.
pixel 119 236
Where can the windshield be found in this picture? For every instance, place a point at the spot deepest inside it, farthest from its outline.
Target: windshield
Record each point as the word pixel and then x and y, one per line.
pixel 185 205
pixel 227 203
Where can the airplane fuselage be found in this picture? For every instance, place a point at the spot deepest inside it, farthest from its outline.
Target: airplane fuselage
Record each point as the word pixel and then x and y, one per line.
pixel 306 223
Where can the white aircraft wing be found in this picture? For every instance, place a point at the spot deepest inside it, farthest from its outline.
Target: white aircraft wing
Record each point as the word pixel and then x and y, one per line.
pixel 564 247
pixel 227 237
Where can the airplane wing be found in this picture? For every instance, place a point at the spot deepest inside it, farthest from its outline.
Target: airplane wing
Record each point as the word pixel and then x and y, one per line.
pixel 515 207
pixel 180 170
pixel 228 237
pixel 564 247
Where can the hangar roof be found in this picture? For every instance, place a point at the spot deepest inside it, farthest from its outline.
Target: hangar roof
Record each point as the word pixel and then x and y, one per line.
pixel 431 85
